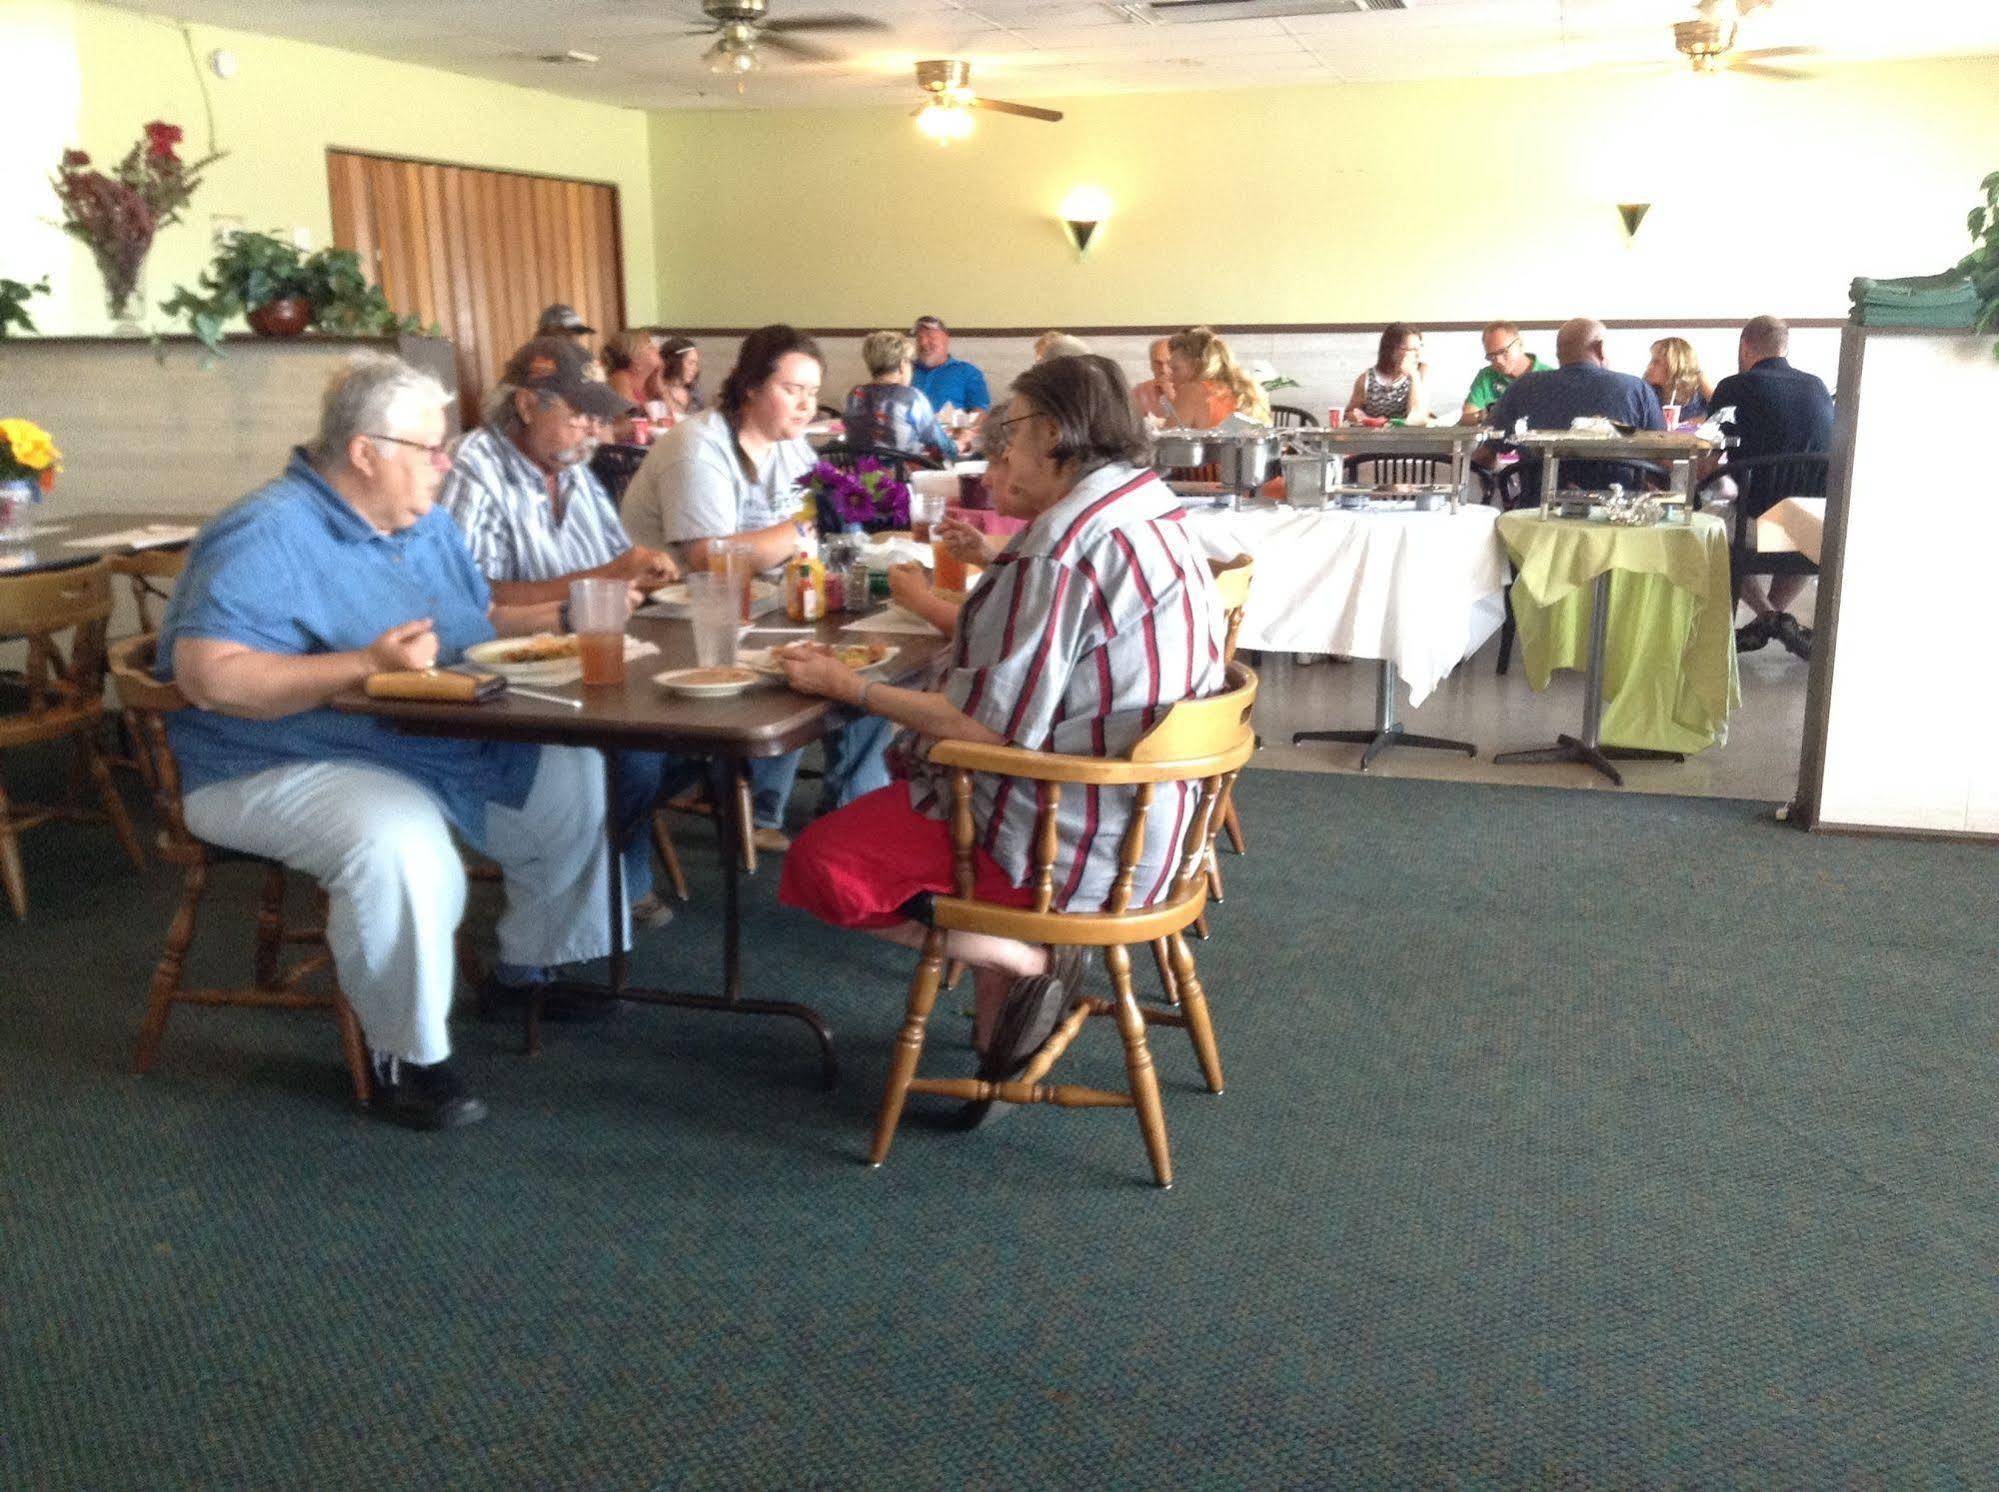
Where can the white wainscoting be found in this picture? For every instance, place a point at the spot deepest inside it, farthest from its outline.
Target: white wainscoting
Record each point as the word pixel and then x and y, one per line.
pixel 1325 364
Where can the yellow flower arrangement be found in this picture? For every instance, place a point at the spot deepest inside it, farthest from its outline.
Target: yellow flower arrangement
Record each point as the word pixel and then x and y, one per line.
pixel 28 453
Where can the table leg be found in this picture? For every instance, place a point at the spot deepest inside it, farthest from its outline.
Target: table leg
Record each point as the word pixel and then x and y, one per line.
pixel 723 772
pixel 1587 748
pixel 1388 730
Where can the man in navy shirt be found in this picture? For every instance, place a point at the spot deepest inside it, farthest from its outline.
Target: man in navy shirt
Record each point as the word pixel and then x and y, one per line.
pixel 1779 411
pixel 1581 386
pixel 942 378
pixel 341 568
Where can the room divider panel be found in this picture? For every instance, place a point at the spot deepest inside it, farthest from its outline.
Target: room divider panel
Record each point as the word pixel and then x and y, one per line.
pixel 479 252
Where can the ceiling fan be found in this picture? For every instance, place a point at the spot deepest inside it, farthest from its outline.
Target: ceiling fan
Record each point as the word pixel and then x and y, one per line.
pixel 945 115
pixel 740 30
pixel 1708 42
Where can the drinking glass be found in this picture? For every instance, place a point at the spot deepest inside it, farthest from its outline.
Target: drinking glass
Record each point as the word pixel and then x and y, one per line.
pixel 598 610
pixel 926 510
pixel 738 561
pixel 947 570
pixel 711 608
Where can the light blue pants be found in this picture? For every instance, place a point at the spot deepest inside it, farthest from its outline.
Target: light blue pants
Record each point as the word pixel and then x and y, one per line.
pixel 381 847
pixel 854 766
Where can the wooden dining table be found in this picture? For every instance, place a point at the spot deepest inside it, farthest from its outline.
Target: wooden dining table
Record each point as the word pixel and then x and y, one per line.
pixel 640 715
pixel 62 539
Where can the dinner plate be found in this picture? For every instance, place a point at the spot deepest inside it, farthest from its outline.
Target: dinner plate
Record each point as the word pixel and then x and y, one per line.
pixel 671 599
pixel 493 655
pixel 707 683
pixel 764 661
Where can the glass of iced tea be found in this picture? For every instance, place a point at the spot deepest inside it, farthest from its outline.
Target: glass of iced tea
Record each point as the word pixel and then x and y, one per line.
pixel 947 570
pixel 926 511
pixel 598 611
pixel 738 561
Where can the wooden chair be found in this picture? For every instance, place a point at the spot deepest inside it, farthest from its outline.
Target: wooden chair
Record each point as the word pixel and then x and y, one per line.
pixel 65 699
pixel 1232 583
pixel 140 569
pixel 1203 742
pixel 147 701
pixel 1289 417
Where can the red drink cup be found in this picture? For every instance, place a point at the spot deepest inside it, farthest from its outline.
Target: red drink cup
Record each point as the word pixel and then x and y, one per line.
pixel 1334 416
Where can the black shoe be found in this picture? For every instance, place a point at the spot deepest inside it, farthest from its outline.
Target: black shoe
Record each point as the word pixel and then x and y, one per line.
pixel 500 1001
pixel 1756 635
pixel 424 1095
pixel 1033 1008
pixel 1797 640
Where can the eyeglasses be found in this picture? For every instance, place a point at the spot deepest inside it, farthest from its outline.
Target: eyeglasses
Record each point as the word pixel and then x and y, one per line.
pixel 439 454
pixel 1493 357
pixel 1021 419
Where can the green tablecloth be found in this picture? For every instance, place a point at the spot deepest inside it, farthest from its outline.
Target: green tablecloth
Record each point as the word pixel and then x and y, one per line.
pixel 1669 672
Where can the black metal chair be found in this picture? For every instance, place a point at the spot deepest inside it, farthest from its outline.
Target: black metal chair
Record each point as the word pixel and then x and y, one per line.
pixel 1761 482
pixel 828 412
pixel 847 455
pixel 615 465
pixel 1289 417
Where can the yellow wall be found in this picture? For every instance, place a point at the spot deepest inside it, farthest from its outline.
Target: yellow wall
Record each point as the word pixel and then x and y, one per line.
pixel 101 73
pixel 1445 201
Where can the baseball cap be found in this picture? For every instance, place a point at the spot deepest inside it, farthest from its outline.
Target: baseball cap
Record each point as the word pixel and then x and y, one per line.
pixel 931 321
pixel 561 318
pixel 556 365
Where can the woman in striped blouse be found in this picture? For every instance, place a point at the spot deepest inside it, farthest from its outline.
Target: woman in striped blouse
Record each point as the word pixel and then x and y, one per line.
pixel 1093 620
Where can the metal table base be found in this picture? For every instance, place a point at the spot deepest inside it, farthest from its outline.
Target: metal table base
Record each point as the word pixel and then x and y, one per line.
pixel 1587 749
pixel 1388 730
pixel 722 778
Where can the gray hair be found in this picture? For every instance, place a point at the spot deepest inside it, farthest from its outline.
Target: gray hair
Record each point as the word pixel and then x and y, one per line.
pixel 369 394
pixel 1059 344
pixel 499 411
pixel 1769 335
pixel 884 352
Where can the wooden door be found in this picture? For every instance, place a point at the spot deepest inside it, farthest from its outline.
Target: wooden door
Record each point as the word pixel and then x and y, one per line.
pixel 480 252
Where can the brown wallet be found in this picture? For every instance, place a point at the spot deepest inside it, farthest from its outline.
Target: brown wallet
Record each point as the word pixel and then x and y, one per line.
pixel 457 685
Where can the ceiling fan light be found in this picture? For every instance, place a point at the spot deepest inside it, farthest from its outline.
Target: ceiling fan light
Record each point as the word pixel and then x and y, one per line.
pixel 944 122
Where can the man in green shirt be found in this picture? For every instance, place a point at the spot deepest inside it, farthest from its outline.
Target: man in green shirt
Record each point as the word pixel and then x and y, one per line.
pixel 1505 360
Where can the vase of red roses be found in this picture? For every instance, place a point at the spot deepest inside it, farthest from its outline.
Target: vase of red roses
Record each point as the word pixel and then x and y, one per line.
pixel 117 214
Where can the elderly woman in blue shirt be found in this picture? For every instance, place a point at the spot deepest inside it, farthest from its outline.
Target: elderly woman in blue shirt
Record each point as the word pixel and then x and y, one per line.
pixel 341 568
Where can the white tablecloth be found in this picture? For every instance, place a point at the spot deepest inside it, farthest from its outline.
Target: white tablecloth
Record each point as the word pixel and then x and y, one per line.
pixel 1423 590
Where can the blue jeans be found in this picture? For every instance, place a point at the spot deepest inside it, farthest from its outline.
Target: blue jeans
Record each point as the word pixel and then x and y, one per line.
pixel 643 776
pixel 854 766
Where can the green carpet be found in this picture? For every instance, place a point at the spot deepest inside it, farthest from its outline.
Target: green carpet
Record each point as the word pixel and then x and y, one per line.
pixel 1571 1140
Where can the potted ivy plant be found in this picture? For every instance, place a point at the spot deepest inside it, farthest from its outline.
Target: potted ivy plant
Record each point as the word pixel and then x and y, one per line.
pixel 1981 265
pixel 280 291
pixel 258 276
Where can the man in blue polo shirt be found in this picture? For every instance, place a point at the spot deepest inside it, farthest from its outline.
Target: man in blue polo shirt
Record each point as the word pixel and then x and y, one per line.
pixel 1581 386
pixel 1779 411
pixel 339 569
pixel 942 378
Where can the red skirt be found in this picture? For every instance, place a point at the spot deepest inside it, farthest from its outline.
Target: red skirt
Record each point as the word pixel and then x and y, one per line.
pixel 858 865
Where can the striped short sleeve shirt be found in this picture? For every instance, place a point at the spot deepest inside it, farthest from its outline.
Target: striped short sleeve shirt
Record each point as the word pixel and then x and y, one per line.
pixel 1098 616
pixel 499 498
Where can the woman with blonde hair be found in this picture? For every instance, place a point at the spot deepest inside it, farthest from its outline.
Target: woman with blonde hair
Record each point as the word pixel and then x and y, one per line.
pixel 1209 385
pixel 1393 388
pixel 886 413
pixel 1676 377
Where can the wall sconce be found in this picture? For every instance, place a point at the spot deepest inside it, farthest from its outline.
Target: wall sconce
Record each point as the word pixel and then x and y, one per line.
pixel 1633 214
pixel 1082 212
